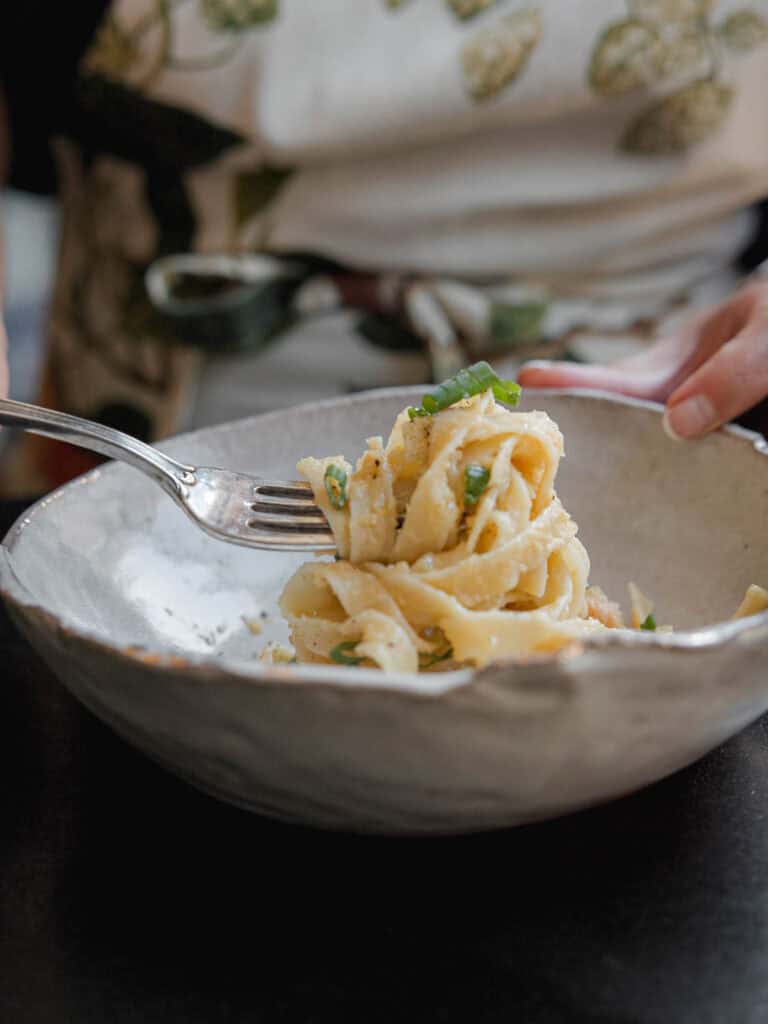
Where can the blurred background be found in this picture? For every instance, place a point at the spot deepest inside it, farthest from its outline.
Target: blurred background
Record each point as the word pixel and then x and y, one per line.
pixel 30 225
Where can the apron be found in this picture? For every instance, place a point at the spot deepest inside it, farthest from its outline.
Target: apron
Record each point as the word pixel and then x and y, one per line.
pixel 272 201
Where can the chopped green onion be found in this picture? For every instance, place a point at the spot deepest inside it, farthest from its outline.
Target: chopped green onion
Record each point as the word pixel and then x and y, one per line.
pixel 430 659
pixel 336 486
pixel 413 412
pixel 507 391
pixel 473 381
pixel 648 622
pixel 475 482
pixel 340 656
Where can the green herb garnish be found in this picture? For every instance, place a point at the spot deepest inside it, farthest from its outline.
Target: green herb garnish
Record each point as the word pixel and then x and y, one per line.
pixel 648 622
pixel 430 659
pixel 335 480
pixel 472 381
pixel 413 412
pixel 475 482
pixel 340 656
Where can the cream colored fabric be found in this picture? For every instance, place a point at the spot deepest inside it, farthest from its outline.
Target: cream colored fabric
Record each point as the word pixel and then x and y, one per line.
pixel 567 143
pixel 599 155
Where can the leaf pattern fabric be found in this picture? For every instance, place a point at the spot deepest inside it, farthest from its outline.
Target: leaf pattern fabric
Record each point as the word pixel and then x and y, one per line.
pixel 469 8
pixel 664 12
pixel 237 15
pixel 481 152
pixel 680 120
pixel 662 41
pixel 744 30
pixel 627 57
pixel 498 54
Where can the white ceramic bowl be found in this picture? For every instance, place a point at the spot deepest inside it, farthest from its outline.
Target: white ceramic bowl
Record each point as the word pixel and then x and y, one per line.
pixel 142 617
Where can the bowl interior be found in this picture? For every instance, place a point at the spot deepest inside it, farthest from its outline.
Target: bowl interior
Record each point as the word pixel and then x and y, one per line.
pixel 113 557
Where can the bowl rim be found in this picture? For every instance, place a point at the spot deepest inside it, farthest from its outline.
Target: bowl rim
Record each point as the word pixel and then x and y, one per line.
pixel 24 605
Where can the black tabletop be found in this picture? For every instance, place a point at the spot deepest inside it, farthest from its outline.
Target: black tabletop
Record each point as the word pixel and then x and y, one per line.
pixel 127 896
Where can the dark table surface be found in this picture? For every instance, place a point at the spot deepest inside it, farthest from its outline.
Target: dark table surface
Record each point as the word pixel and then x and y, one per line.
pixel 127 896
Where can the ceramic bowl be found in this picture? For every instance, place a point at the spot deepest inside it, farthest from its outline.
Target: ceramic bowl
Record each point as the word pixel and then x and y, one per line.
pixel 150 623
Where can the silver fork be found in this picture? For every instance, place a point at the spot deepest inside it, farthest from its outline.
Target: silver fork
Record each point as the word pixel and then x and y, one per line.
pixel 277 515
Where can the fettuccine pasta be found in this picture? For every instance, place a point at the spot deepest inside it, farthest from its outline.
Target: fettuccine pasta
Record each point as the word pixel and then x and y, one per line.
pixel 453 547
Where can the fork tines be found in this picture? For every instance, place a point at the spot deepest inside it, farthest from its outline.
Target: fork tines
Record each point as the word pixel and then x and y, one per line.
pixel 276 495
pixel 290 507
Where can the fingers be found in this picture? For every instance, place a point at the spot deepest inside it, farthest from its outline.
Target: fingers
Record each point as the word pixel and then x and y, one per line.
pixel 713 369
pixel 731 381
pixel 652 373
pixel 637 382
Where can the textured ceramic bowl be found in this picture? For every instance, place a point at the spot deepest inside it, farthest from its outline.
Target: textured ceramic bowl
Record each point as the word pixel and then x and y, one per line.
pixel 142 617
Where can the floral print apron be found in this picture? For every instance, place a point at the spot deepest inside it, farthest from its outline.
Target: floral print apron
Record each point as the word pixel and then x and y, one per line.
pixel 271 200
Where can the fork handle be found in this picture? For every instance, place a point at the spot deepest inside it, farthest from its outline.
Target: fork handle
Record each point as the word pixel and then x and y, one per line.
pixel 171 475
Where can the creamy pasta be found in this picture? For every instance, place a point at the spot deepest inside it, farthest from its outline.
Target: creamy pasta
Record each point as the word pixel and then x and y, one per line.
pixel 453 547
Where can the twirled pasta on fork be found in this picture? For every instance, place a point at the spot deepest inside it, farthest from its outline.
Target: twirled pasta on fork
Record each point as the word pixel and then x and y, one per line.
pixel 453 545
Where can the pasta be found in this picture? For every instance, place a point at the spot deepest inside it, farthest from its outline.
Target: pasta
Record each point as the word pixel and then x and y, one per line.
pixel 453 547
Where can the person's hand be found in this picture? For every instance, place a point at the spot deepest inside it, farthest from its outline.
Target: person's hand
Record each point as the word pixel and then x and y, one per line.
pixel 711 371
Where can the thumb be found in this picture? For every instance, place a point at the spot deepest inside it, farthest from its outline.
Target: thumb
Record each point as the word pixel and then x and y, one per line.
pixel 733 380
